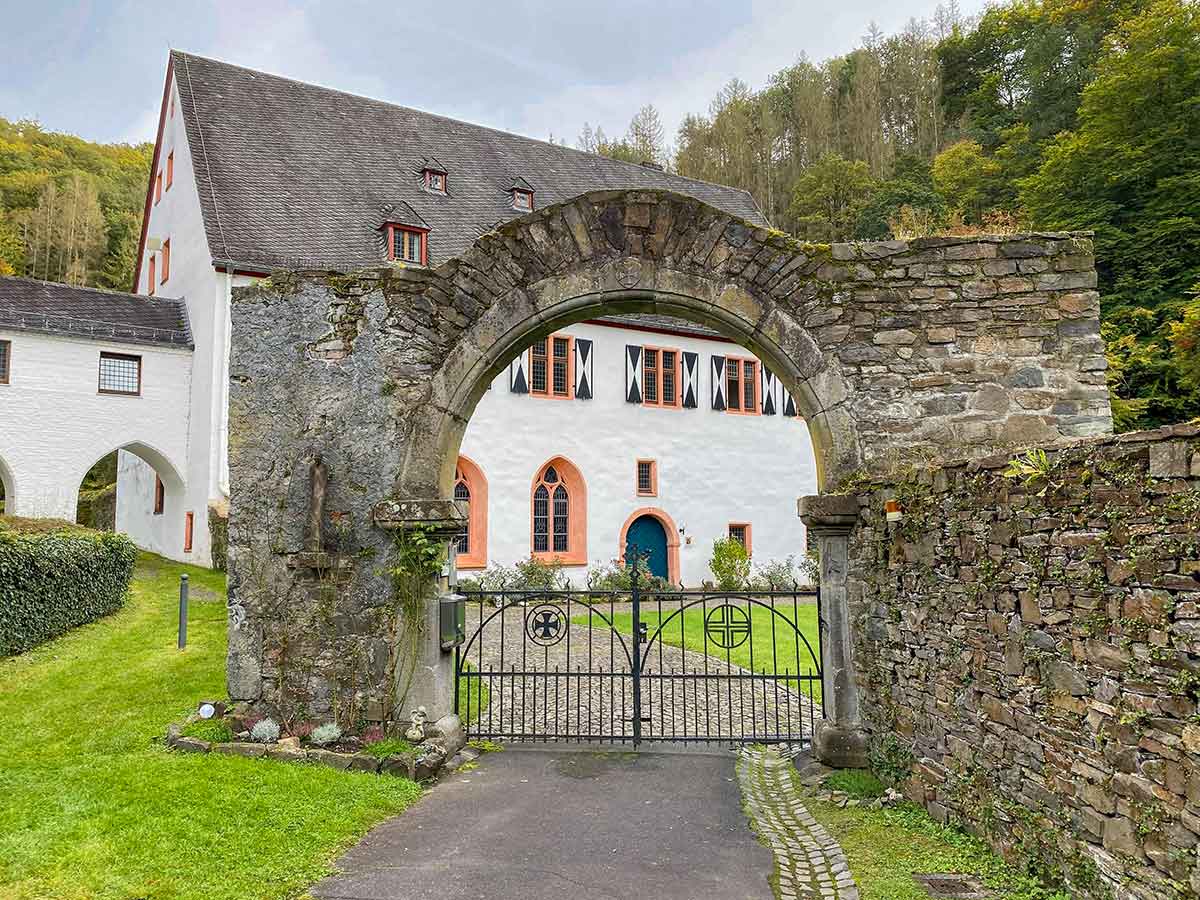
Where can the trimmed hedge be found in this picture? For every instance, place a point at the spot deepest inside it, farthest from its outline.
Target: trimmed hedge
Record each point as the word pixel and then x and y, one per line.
pixel 56 576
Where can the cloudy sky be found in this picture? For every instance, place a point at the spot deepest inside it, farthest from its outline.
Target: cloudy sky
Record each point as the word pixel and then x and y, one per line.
pixel 537 67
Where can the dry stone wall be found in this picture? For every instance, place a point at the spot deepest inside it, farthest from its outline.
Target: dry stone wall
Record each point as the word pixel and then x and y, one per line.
pixel 1035 639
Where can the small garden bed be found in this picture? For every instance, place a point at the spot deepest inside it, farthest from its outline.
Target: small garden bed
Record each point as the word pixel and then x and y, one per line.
pixel 426 751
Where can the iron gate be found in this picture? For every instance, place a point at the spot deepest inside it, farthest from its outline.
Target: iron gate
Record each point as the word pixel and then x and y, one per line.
pixel 632 667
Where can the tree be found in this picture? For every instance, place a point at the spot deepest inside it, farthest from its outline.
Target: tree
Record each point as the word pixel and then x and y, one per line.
pixel 967 178
pixel 645 136
pixel 829 198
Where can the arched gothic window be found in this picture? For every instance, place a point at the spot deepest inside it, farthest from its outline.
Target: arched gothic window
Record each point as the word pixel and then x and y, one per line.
pixel 471 486
pixel 559 513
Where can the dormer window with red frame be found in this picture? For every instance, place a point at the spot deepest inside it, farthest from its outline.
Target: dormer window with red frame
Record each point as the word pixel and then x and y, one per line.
pixel 522 199
pixel 407 244
pixel 435 181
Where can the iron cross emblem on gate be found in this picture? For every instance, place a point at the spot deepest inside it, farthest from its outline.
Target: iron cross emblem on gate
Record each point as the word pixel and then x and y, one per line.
pixel 727 626
pixel 546 625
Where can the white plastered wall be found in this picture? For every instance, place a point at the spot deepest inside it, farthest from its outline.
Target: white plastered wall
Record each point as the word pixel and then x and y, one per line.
pixel 714 467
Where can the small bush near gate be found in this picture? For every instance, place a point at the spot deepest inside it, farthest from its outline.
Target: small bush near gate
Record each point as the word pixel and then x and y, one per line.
pixel 730 564
pixel 529 574
pixel 55 576
pixel 613 576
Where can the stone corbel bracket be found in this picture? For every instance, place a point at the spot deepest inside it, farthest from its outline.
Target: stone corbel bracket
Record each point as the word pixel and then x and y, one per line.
pixel 445 519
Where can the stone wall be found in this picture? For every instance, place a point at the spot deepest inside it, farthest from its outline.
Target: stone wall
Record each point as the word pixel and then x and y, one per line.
pixel 1036 641
pixel 890 349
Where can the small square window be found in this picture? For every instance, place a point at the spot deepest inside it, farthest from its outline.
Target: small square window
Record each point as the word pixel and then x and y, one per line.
pixel 647 478
pixel 408 245
pixel 5 361
pixel 522 199
pixel 435 181
pixel 120 374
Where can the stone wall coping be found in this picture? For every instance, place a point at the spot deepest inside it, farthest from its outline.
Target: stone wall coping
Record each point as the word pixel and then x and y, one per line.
pixel 828 510
pixel 1001 460
pixel 446 518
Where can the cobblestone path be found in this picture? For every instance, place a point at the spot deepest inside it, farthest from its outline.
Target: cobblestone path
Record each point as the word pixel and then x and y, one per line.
pixel 579 687
pixel 809 863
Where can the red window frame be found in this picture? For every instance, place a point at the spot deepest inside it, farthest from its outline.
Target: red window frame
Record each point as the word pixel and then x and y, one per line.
pixel 157 188
pixel 421 233
pixel 745 540
pixel 189 523
pixel 528 197
pixel 654 378
pixel 170 170
pixel 159 496
pixel 550 360
pixel 150 281
pixel 741 375
pixel 166 262
pixel 652 489
pixel 430 175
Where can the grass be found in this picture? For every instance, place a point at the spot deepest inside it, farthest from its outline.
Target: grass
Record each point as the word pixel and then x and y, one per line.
pixel 858 783
pixel 477 691
pixel 390 747
pixel 687 630
pixel 886 847
pixel 92 805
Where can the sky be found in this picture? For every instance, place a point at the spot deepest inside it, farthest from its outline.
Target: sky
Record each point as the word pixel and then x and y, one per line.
pixel 535 67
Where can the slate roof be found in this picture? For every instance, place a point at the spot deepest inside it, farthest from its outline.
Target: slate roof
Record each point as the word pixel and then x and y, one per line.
pixel 27 304
pixel 664 323
pixel 292 175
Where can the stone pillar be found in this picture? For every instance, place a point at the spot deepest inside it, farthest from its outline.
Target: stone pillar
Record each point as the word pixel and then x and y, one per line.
pixel 432 682
pixel 840 739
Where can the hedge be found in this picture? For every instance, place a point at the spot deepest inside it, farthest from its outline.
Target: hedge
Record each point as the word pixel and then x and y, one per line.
pixel 55 576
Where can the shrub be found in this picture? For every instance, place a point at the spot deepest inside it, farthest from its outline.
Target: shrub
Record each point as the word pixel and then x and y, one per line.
pixel 215 731
pixel 729 564
pixel 265 731
pixel 389 747
pixel 57 576
pixel 325 734
pixel 613 576
pixel 891 759
pixel 529 574
pixel 774 575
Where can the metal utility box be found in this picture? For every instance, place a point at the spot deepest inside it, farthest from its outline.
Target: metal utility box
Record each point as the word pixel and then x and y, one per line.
pixel 453 619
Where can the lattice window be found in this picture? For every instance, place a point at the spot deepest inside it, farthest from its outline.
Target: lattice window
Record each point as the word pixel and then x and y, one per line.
pixel 749 385
pixel 541 519
pixel 551 513
pixel 740 532
pixel 562 511
pixel 550 370
pixel 408 245
pixel 463 492
pixel 120 374
pixel 670 396
pixel 537 368
pixel 562 364
pixel 733 385
pixel 650 377
pixel 741 385
pixel 647 477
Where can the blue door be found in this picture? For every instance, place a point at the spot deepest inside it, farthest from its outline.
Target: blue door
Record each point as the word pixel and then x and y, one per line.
pixel 650 537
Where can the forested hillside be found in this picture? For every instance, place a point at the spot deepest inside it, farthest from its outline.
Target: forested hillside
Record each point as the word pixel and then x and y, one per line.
pixel 1040 114
pixel 70 210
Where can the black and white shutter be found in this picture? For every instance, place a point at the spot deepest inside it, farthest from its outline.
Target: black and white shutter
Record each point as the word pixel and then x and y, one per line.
pixel 633 373
pixel 718 382
pixel 768 392
pixel 518 383
pixel 789 405
pixel 583 369
pixel 691 379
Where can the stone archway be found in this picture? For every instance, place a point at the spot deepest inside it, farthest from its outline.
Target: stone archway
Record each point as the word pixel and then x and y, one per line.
pixel 890 350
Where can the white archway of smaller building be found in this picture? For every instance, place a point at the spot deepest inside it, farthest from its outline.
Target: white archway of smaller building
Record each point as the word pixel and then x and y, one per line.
pixel 9 485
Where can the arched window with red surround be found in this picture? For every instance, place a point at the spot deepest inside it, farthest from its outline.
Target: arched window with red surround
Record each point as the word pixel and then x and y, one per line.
pixel 470 485
pixel 559 513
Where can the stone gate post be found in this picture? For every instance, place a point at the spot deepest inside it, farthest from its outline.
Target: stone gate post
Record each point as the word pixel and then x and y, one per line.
pixel 840 739
pixel 429 679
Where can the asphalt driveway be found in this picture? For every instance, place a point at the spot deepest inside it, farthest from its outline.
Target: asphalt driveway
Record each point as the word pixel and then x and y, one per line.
pixel 551 824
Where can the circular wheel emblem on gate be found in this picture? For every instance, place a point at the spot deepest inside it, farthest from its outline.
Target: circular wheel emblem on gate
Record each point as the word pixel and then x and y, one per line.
pixel 727 626
pixel 546 625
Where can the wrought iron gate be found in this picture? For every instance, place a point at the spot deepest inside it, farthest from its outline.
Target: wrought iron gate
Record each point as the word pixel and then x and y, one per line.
pixel 633 666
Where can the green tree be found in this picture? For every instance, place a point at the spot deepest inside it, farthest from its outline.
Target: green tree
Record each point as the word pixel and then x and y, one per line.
pixel 967 178
pixel 829 198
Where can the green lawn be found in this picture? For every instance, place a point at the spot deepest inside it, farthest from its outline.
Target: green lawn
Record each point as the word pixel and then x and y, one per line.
pixel 687 630
pixel 92 805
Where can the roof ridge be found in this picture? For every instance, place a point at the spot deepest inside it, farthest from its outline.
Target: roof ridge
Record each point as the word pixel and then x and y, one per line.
pixel 512 134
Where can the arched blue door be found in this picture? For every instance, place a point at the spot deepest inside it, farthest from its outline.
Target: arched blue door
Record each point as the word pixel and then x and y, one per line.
pixel 648 534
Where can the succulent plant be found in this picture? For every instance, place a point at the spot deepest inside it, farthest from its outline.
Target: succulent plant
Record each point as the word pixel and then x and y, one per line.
pixel 265 731
pixel 325 734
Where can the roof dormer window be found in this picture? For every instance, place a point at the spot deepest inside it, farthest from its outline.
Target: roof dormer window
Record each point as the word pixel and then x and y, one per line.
pixel 407 244
pixel 522 200
pixel 433 175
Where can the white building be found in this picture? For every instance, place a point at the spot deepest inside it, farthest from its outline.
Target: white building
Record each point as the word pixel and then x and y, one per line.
pixel 253 172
